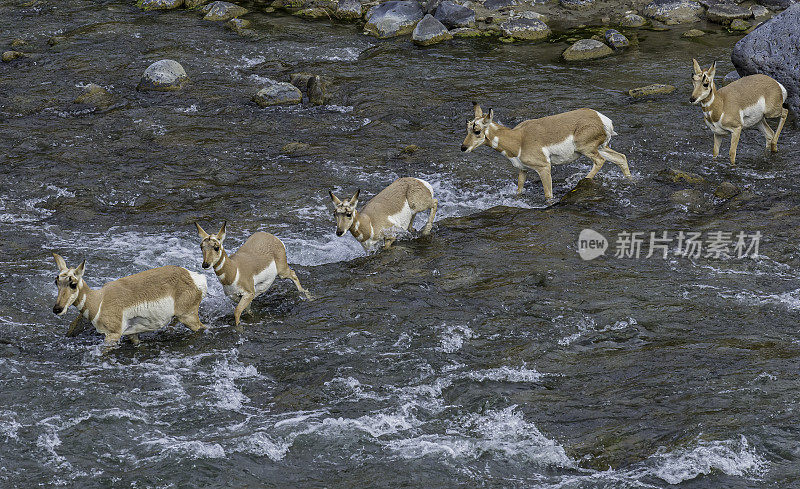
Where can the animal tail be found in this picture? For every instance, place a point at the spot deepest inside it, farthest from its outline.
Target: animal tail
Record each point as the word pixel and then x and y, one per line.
pixel 608 126
pixel 201 283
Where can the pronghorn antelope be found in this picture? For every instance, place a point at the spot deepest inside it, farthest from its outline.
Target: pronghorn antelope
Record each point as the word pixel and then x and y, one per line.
pixel 394 206
pixel 135 304
pixel 747 102
pixel 538 143
pixel 250 271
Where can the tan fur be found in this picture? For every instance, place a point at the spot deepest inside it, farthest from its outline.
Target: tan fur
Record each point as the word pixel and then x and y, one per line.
pixel 723 109
pixel 238 271
pixel 370 225
pixel 105 307
pixel 529 144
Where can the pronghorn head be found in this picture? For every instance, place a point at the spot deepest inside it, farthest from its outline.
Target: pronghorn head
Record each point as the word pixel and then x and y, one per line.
pixel 703 82
pixel 211 245
pixel 344 211
pixel 476 128
pixel 68 282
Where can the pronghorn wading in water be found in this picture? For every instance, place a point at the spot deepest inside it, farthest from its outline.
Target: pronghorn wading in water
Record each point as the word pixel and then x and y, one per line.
pixel 250 271
pixel 747 102
pixel 394 206
pixel 135 304
pixel 539 143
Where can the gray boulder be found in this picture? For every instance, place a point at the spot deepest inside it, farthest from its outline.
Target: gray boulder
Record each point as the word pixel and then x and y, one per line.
pixel 499 4
pixel 430 31
pixel 577 4
pixel 777 4
pixel 730 78
pixel 759 11
pixel 526 29
pixel 673 12
pixel 313 86
pixel 632 20
pixel 393 18
pixel 586 49
pixel 190 4
pixel 774 49
pixel 223 11
pixel 348 9
pixel 9 56
pixel 724 13
pixel 279 93
pixel 615 39
pixel 164 75
pixel 159 4
pixel 453 15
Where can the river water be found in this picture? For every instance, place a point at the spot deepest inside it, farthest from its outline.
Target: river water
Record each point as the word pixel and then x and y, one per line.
pixel 486 355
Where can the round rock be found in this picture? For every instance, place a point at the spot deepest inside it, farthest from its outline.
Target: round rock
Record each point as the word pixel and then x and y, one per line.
pixel 615 39
pixel 632 20
pixel 430 31
pixel 586 49
pixel 159 4
pixel 279 93
pixel 164 75
pixel 576 4
pixel 527 29
pixel 95 96
pixel 673 12
pixel 393 18
pixel 739 25
pixel 453 15
pixel 223 11
pixel 724 13
pixel 348 9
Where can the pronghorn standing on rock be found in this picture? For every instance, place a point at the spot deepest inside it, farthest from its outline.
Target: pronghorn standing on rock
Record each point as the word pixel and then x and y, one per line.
pixel 539 143
pixel 747 102
pixel 394 206
pixel 135 304
pixel 250 271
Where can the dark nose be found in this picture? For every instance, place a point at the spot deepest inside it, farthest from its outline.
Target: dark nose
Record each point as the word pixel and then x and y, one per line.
pixel 339 233
pixel 463 147
pixel 57 309
pixel 206 265
pixel 691 99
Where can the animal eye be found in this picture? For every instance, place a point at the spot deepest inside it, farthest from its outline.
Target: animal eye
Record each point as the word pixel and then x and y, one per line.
pixel 73 285
pixel 477 131
pixel 216 247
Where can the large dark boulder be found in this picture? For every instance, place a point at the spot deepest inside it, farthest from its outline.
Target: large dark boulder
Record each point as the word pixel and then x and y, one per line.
pixel 777 4
pixel 453 15
pixel 393 18
pixel 774 49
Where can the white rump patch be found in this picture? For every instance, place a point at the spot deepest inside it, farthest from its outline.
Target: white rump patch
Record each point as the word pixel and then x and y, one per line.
pixel 562 152
pixel 147 316
pixel 263 279
pixel 403 218
pixel 783 91
pixel 607 125
pixel 427 185
pixel 752 115
pixel 200 282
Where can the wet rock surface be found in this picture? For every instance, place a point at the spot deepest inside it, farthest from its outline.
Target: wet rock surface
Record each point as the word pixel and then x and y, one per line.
pixel 649 90
pixel 221 11
pixel 159 4
pixel 393 18
pixel 615 39
pixel 674 11
pixel 163 75
pixel 430 31
pixel 453 15
pixel 278 93
pixel 525 29
pixel 586 49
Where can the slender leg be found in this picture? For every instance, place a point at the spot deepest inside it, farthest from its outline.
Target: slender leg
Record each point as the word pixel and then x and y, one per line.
pixel 767 131
pixel 293 277
pixel 134 339
pixel 547 181
pixel 111 342
pixel 429 225
pixel 784 115
pixel 521 181
pixel 617 158
pixel 717 143
pixel 192 321
pixel 597 161
pixel 734 143
pixel 410 228
pixel 244 302
pixel 73 327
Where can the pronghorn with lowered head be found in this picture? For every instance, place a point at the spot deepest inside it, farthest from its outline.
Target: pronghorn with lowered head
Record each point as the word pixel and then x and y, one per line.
pixel 250 271
pixel 394 206
pixel 539 143
pixel 747 102
pixel 135 304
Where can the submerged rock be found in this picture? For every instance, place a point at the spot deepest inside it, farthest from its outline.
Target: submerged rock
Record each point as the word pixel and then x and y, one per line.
pixel 576 4
pixel 9 56
pixel 95 96
pixel 586 49
pixel 312 13
pixel 159 4
pixel 18 43
pixel 632 20
pixel 693 33
pixel 772 49
pixel 739 25
pixel 586 190
pixel 393 18
pixel 654 89
pixel 724 13
pixel 615 39
pixel 279 93
pixel 453 15
pixel 313 86
pixel 219 10
pixel 238 25
pixel 675 176
pixel 163 75
pixel 674 11
pixel 430 31
pixel 691 198
pixel 727 190
pixel 527 29
pixel 348 9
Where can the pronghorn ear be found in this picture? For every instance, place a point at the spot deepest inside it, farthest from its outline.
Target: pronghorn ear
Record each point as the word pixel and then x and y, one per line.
pixel 489 116
pixel 712 70
pixel 334 198
pixel 203 234
pixel 478 111
pixel 354 198
pixel 79 271
pixel 62 265
pixel 221 233
pixel 697 69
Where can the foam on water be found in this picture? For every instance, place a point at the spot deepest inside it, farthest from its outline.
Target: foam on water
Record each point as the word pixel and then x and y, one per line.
pixel 507 374
pixel 731 457
pixel 453 338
